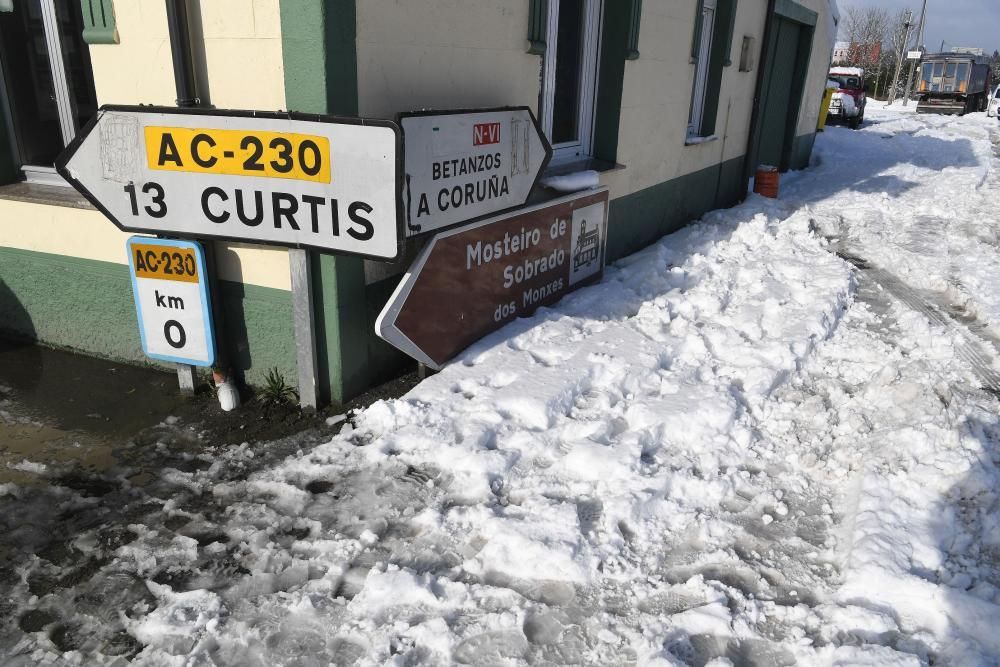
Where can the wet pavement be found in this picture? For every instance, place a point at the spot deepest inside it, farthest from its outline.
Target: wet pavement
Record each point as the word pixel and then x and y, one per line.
pixel 96 455
pixel 60 410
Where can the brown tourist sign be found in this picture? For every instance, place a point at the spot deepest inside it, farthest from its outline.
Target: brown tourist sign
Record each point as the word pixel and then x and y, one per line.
pixel 471 281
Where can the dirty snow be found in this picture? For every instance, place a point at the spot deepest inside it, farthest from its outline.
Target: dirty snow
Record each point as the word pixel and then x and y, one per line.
pixel 770 438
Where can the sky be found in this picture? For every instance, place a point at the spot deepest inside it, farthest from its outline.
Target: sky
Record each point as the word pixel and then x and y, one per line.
pixel 957 22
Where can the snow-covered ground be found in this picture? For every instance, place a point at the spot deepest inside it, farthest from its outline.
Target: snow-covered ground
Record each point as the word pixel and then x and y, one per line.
pixel 771 438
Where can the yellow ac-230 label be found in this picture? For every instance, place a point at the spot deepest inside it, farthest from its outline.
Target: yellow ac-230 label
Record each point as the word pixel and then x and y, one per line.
pixel 165 263
pixel 303 157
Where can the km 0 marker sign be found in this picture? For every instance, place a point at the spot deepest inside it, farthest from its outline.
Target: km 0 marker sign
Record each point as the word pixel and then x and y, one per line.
pixel 472 280
pixel 171 300
pixel 462 165
pixel 288 179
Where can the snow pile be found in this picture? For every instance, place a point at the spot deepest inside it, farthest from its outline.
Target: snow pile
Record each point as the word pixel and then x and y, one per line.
pixel 568 490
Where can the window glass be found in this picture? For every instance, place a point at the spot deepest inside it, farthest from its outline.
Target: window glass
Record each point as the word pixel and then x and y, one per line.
pixel 963 72
pixel 568 68
pixel 925 72
pixel 24 56
pixel 949 70
pixel 76 59
pixel 938 69
pixel 697 113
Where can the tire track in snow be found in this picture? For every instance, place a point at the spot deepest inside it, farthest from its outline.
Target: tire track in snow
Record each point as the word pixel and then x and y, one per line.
pixel 978 348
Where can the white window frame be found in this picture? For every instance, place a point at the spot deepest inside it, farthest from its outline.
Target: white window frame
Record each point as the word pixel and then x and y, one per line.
pixel 696 117
pixel 581 147
pixel 64 101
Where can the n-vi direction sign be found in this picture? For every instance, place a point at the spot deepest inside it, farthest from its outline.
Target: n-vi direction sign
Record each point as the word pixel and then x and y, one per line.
pixel 463 165
pixel 287 179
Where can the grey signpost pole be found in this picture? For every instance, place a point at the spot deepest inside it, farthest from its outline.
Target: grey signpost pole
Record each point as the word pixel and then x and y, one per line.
pixel 913 63
pixel 305 329
pixel 184 82
pixel 907 24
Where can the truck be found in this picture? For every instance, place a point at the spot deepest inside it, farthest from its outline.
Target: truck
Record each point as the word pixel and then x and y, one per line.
pixel 954 83
pixel 848 102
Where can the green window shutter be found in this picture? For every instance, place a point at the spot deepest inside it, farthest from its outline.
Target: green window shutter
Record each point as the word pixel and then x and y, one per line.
pixel 538 21
pixel 725 17
pixel 728 25
pixel 696 38
pixel 635 18
pixel 99 22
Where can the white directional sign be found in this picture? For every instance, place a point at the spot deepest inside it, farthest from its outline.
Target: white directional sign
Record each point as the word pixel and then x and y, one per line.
pixel 914 55
pixel 462 165
pixel 171 300
pixel 288 179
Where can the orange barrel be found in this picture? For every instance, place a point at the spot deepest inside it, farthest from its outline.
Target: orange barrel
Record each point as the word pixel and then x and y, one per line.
pixel 766 181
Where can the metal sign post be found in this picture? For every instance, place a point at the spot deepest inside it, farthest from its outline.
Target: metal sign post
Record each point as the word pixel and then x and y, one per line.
pixel 472 280
pixel 463 165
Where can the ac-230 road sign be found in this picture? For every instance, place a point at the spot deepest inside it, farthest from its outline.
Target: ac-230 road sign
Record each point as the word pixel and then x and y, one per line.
pixel 300 180
pixel 463 165
pixel 171 300
pixel 470 281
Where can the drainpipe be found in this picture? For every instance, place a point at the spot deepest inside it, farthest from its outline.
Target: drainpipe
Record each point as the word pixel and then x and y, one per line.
pixel 180 50
pixel 763 64
pixel 187 97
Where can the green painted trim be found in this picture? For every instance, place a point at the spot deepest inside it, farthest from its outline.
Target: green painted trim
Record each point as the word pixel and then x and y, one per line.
pixel 725 17
pixel 538 20
pixel 341 57
pixel 616 23
pixel 638 219
pixel 10 170
pixel 634 24
pixel 796 12
pixel 319 51
pixel 87 306
pixel 802 148
pixel 696 37
pixel 99 25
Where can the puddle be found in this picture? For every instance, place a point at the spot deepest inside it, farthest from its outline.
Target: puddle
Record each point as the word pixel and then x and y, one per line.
pixel 60 412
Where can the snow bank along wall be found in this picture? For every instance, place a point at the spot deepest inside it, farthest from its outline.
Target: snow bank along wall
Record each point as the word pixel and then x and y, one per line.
pixel 63 266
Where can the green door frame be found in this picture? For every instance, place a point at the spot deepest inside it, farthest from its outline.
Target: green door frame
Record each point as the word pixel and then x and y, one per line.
pixel 806 19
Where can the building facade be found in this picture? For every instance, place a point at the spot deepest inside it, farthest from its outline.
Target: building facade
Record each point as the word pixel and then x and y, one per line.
pixel 674 102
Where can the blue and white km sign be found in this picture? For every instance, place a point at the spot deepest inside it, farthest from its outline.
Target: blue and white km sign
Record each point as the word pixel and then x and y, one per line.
pixel 171 300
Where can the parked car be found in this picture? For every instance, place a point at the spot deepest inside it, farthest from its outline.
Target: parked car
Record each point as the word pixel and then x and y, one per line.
pixel 848 103
pixel 994 108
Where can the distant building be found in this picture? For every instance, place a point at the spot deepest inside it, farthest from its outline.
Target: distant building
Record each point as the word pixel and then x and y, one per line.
pixel 864 53
pixel 971 50
pixel 841 50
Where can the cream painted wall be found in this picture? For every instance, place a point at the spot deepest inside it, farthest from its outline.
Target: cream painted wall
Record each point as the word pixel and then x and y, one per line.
pixel 657 94
pixel 87 234
pixel 244 66
pixel 451 54
pixel 444 54
pixel 242 55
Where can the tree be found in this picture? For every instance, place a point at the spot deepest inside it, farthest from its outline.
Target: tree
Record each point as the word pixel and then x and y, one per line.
pixel 867 29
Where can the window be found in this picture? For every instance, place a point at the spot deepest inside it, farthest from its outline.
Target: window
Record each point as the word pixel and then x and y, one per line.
pixel 702 60
pixel 570 76
pixel 711 44
pixel 47 81
pixel 963 73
